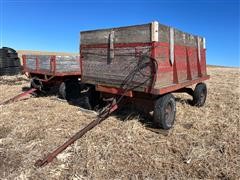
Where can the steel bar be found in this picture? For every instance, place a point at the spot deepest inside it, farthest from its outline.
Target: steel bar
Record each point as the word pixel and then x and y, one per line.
pixel 79 134
pixel 15 98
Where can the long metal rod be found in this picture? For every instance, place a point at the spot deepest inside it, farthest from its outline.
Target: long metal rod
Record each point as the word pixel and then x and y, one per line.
pixel 15 98
pixel 79 134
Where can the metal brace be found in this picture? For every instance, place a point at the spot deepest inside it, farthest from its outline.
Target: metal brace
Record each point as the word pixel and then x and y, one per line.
pixel 172 45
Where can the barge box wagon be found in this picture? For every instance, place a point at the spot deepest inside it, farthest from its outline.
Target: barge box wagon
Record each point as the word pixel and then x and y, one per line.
pixel 166 59
pixel 46 70
pixel 141 64
pixel 145 62
pixel 57 65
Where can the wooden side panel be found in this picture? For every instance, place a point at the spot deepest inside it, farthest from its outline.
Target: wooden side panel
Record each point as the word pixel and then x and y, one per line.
pixel 203 62
pixel 193 60
pixel 186 39
pixel 44 63
pixel 180 37
pixel 181 63
pixel 38 62
pixel 163 33
pixel 97 68
pixel 165 70
pixel 67 64
pixel 185 65
pixel 130 34
pixel 31 62
pixel 56 64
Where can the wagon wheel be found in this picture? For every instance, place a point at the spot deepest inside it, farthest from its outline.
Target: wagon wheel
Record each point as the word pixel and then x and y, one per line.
pixel 62 91
pixel 164 111
pixel 69 89
pixel 36 83
pixel 78 94
pixel 200 94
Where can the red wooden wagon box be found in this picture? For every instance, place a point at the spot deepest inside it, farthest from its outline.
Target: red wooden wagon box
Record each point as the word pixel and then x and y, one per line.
pixel 146 62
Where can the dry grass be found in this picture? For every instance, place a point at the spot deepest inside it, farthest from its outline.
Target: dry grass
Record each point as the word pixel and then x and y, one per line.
pixel 205 142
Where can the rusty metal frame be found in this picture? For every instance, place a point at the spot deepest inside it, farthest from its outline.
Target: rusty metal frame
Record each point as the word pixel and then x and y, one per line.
pixel 101 117
pixel 113 90
pixel 175 87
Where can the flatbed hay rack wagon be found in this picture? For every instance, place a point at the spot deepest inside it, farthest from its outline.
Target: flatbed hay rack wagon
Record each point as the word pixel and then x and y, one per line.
pixel 143 64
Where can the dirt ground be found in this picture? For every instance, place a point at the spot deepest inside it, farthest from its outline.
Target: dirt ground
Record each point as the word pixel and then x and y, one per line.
pixel 204 143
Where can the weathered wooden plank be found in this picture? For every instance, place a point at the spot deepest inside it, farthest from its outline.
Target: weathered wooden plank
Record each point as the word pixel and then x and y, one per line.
pixel 130 34
pixel 67 64
pixel 44 62
pixel 163 33
pixel 64 63
pixel 186 39
pixel 97 68
pixel 37 53
pixel 138 33
pixel 31 63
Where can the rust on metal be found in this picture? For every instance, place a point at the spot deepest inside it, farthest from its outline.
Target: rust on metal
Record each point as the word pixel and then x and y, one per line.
pixel 113 90
pixel 102 116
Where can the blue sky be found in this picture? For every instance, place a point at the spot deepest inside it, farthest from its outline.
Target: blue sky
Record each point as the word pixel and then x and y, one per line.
pixel 55 25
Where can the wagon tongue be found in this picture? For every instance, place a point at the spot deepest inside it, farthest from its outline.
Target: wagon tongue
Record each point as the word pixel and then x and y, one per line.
pixel 101 117
pixel 17 97
pixel 40 163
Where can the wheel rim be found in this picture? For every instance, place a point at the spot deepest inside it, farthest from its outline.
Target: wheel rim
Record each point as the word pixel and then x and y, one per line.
pixel 36 83
pixel 168 114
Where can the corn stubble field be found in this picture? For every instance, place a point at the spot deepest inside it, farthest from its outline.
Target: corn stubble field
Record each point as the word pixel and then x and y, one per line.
pixel 204 143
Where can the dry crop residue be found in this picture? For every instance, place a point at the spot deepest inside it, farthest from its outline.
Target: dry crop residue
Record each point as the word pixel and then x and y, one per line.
pixel 204 142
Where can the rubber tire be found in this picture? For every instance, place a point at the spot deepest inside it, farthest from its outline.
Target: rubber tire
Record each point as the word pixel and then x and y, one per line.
pixel 36 83
pixel 200 95
pixel 10 71
pixel 90 98
pixel 9 50
pixel 8 62
pixel 70 89
pixel 16 62
pixel 1 63
pixel 62 90
pixel 83 102
pixel 2 54
pixel 13 56
pixel 160 118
